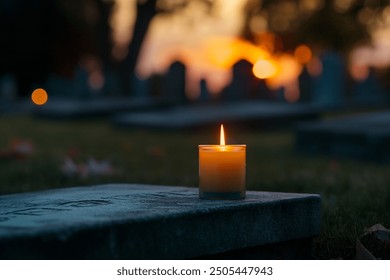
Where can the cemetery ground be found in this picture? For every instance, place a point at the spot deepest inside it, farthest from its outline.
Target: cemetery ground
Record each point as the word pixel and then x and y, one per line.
pixel 355 194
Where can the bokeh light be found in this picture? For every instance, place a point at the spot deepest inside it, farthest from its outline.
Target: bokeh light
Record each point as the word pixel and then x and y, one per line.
pixel 342 6
pixel 39 96
pixel 292 92
pixel 311 5
pixel 303 54
pixel 359 72
pixel 314 67
pixel 264 68
pixel 288 72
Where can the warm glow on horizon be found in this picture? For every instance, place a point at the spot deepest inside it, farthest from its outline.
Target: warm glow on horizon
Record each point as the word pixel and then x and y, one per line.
pixel 188 35
pixel 224 52
pixel 39 96
pixel 211 47
pixel 189 28
pixel 205 37
pixel 222 137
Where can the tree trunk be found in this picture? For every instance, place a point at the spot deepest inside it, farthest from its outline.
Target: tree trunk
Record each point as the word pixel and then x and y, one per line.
pixel 145 12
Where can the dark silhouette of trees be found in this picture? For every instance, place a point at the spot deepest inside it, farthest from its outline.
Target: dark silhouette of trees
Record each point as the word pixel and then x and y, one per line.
pixel 146 10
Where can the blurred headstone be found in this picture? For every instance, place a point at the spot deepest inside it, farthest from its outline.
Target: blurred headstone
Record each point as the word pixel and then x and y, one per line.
pixel 59 86
pixel 368 91
pixel 76 108
pixel 141 88
pixel 243 85
pixel 360 136
pixel 305 86
pixel 261 114
pixel 175 83
pixel 204 92
pixel 156 86
pixel 329 88
pixel 82 85
pixel 8 88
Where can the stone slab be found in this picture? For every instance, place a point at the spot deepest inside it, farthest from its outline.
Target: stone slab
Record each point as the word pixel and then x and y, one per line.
pixel 243 112
pixel 363 136
pixel 148 222
pixel 93 107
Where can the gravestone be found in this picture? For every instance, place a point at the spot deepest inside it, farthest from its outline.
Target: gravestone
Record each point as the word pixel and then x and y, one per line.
pixel 253 113
pixel 243 85
pixel 362 136
pixel 8 88
pixel 175 84
pixel 305 86
pixel 59 86
pixel 328 89
pixel 68 108
pixel 204 93
pixel 368 92
pixel 155 222
pixel 141 88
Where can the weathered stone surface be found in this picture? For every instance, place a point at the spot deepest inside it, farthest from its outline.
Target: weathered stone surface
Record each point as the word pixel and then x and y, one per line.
pixel 89 108
pixel 364 136
pixel 245 112
pixel 148 222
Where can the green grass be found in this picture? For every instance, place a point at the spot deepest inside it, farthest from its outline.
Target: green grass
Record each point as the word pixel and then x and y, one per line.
pixel 355 195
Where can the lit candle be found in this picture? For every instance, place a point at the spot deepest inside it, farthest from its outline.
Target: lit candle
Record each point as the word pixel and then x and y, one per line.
pixel 222 170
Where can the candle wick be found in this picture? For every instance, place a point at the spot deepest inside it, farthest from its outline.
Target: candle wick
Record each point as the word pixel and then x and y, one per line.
pixel 222 136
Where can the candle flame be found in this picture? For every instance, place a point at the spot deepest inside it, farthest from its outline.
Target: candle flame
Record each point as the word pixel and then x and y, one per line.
pixel 222 137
